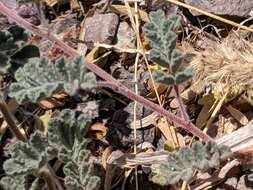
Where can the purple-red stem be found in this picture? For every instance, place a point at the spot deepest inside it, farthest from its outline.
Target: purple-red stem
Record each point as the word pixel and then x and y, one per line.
pixel 155 107
pixel 110 82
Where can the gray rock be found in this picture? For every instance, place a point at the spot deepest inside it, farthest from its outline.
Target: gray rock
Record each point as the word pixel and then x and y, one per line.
pixel 125 37
pixel 241 8
pixel 62 24
pixel 229 184
pixel 244 183
pixel 100 28
pixel 28 11
pixel 120 133
pixel 12 4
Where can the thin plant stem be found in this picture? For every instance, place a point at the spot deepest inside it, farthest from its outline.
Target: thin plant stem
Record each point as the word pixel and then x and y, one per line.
pixel 218 104
pixel 183 111
pixel 184 185
pixel 141 47
pixel 136 90
pixel 141 100
pixel 135 102
pixel 55 177
pixel 10 121
pixel 110 82
pixel 135 113
pixel 51 179
pixel 135 25
pixel 45 174
pixel 118 49
pixel 176 143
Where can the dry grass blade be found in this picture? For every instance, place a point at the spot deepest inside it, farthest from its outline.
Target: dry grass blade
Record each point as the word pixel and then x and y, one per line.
pixel 218 177
pixel 238 142
pixel 120 50
pixel 227 66
pixel 219 18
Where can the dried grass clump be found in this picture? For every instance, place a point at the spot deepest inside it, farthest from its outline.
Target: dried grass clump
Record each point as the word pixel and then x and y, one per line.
pixel 226 66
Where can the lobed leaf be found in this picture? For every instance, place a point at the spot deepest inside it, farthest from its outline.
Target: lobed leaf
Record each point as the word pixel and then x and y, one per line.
pixel 160 32
pixel 182 165
pixel 65 130
pixel 27 157
pixel 66 134
pixel 14 50
pixel 176 60
pixel 13 182
pixel 157 57
pixel 39 79
pixel 66 142
pixel 184 75
pixel 79 171
pixel 161 77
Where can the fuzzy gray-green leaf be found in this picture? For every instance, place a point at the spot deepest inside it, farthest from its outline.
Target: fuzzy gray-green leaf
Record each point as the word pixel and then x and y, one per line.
pixel 176 60
pixel 39 79
pixel 158 58
pixel 13 182
pixel 157 17
pixel 79 171
pixel 27 157
pixel 171 39
pixel 66 136
pixel 65 130
pixel 161 77
pixel 159 32
pixel 181 165
pixel 155 40
pixel 26 160
pixel 175 22
pixel 184 75
pixel 14 50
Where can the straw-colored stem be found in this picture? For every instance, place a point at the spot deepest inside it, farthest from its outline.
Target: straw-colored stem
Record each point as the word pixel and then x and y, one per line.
pixel 201 11
pixel 10 121
pixel 183 111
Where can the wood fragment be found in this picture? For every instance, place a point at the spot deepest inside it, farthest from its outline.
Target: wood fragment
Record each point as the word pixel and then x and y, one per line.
pixel 238 142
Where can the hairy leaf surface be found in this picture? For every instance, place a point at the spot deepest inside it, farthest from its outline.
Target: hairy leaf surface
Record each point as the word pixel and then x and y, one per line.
pixel 181 165
pixel 66 134
pixel 39 79
pixel 27 157
pixel 160 32
pixel 79 171
pixel 65 130
pixel 14 50
pixel 13 182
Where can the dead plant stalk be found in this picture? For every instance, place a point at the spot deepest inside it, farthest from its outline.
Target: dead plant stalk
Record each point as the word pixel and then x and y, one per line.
pixel 204 12
pixel 110 82
pixel 10 121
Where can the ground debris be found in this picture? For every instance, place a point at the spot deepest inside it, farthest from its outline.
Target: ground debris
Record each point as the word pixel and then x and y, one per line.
pixel 100 28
